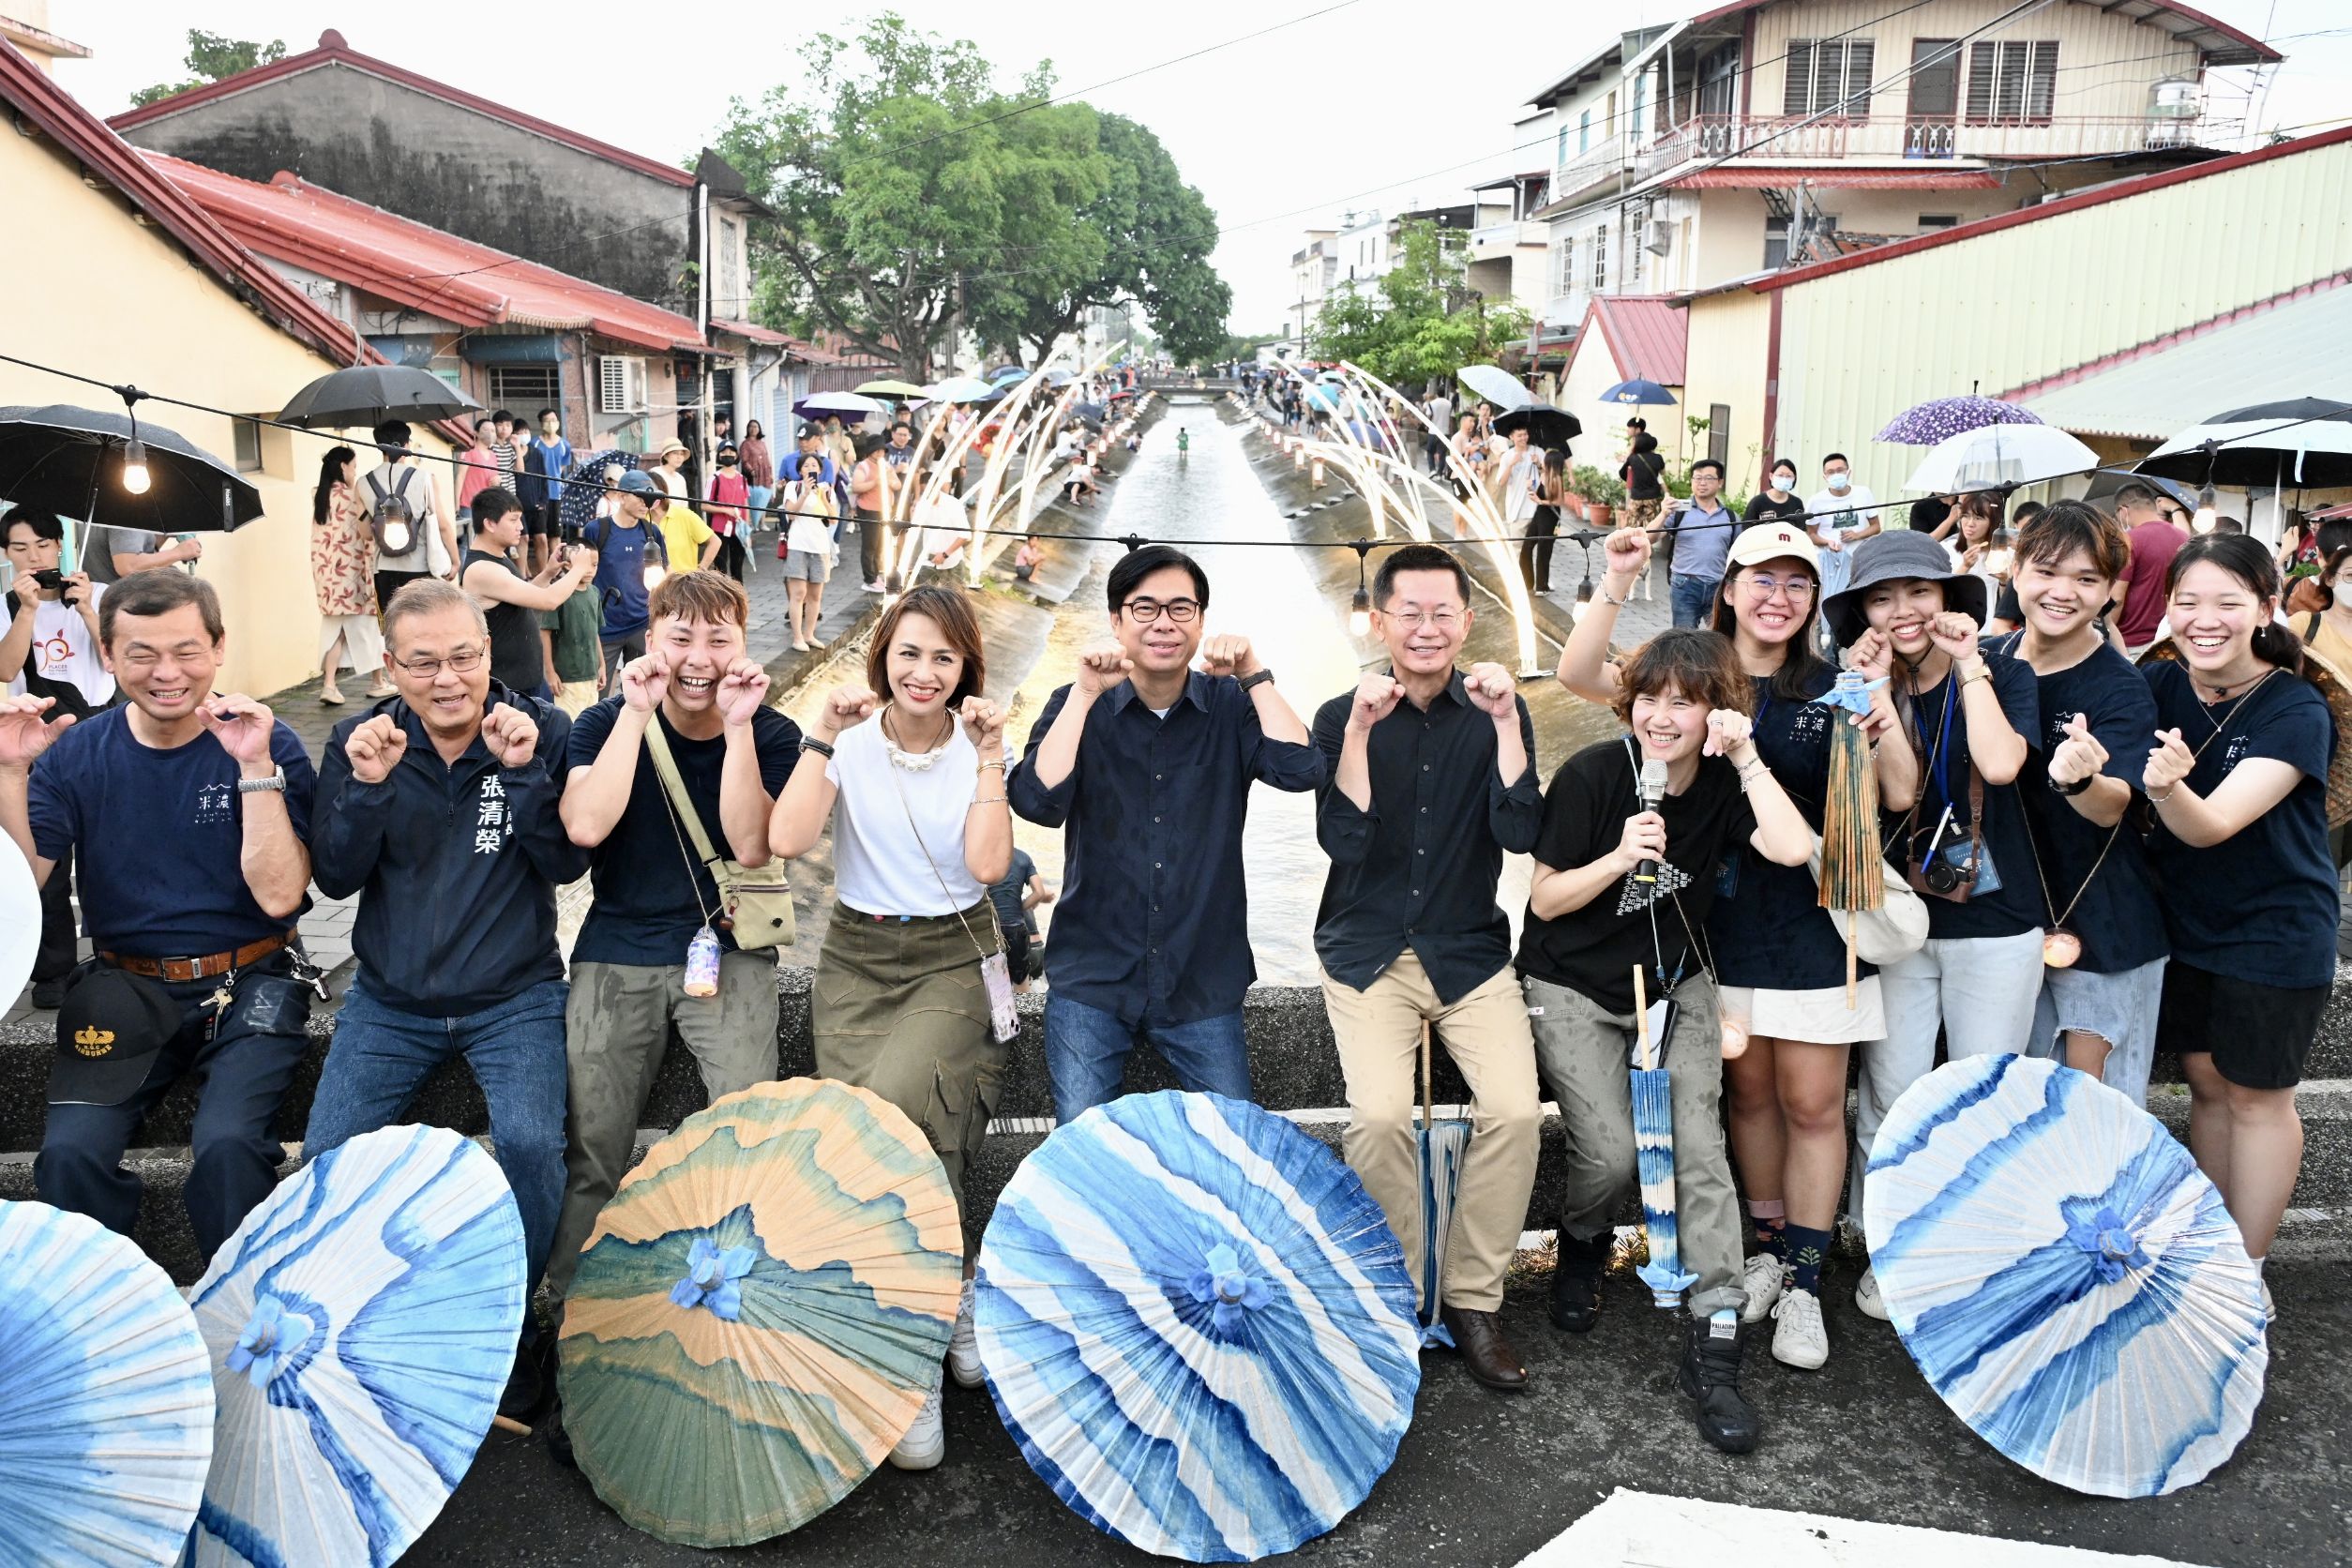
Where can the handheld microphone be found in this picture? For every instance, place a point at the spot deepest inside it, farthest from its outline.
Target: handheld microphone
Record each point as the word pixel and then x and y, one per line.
pixel 1654 789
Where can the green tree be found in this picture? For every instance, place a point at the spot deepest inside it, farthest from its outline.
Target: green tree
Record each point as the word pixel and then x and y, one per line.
pixel 1422 319
pixel 905 187
pixel 213 58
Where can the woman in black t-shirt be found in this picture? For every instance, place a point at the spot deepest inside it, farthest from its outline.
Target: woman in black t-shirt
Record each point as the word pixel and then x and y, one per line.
pixel 1778 502
pixel 1615 889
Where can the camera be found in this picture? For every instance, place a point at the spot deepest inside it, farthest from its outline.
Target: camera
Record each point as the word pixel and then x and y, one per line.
pixel 52 581
pixel 1941 876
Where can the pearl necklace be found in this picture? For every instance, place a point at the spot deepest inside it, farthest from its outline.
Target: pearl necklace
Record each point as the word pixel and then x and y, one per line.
pixel 913 761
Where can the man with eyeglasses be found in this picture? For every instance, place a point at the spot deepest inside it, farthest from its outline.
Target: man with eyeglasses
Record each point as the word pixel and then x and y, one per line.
pixel 1148 764
pixel 1700 529
pixel 1432 777
pixel 438 807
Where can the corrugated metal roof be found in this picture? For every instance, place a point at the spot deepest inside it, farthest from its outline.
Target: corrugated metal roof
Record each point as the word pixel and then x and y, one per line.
pixel 401 260
pixel 1646 335
pixel 1782 176
pixel 2291 349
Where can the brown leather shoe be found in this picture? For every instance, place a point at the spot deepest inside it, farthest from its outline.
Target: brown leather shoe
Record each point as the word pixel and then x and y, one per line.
pixel 1487 1354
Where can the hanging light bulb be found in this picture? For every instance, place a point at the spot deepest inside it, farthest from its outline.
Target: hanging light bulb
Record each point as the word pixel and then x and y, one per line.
pixel 135 477
pixel 2208 512
pixel 1584 600
pixel 1360 607
pixel 655 572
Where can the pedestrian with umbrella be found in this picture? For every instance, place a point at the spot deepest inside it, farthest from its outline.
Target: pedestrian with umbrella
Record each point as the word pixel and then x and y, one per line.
pixel 1625 857
pixel 2238 777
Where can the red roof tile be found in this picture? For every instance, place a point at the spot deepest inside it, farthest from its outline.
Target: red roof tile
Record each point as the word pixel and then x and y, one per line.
pixel 333 51
pixel 424 269
pixel 1645 333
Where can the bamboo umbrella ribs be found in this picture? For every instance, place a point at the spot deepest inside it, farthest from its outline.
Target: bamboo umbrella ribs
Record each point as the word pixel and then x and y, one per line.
pixel 1851 879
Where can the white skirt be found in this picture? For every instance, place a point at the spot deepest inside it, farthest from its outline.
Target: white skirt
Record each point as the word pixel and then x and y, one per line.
pixel 1818 1017
pixel 363 641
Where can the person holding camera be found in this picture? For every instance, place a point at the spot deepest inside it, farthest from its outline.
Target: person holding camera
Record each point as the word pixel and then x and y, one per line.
pixel 1971 715
pixel 51 649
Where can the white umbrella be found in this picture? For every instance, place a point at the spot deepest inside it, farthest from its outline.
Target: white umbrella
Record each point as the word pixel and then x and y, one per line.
pixel 1999 457
pixel 1497 386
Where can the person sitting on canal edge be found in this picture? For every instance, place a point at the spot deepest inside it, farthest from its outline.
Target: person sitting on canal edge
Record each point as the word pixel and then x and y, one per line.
pixel 187 810
pixel 1432 777
pixel 1148 763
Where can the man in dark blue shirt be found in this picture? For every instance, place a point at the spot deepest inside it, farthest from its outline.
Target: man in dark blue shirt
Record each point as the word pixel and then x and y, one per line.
pixel 187 812
pixel 1148 763
pixel 1432 778
pixel 438 807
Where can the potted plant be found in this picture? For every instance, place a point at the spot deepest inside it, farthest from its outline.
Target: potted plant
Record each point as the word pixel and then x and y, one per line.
pixel 1602 494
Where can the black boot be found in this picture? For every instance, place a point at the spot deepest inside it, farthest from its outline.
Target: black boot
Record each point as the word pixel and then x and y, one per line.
pixel 1710 1375
pixel 1576 1282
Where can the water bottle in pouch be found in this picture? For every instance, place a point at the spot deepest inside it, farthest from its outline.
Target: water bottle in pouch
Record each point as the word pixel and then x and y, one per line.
pixel 998 975
pixel 701 974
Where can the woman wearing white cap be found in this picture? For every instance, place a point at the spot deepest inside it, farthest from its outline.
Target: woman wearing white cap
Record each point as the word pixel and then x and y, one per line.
pixel 1780 963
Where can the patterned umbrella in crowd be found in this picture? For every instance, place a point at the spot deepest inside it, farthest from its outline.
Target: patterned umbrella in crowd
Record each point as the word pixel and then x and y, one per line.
pixel 362 1322
pixel 577 510
pixel 1197 1327
pixel 1940 419
pixel 761 1312
pixel 106 1405
pixel 2065 1276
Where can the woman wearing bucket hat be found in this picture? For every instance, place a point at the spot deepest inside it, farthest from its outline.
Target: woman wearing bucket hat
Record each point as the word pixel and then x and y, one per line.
pixel 1969 715
pixel 1780 961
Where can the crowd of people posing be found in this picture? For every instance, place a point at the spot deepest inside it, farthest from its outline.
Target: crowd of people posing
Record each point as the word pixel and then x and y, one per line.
pixel 2114 860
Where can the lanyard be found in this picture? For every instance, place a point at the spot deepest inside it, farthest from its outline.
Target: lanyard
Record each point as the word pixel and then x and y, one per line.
pixel 1938 752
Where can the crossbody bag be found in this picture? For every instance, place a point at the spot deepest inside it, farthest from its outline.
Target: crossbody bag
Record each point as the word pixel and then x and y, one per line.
pixel 996 970
pixel 755 904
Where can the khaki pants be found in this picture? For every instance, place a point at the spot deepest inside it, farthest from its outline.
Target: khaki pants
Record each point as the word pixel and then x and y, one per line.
pixel 1486 1032
pixel 1585 1052
pixel 574 696
pixel 899 1008
pixel 616 1027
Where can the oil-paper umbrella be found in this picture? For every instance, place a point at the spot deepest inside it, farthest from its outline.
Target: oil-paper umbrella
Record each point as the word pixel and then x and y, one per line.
pixel 1653 1158
pixel 1440 1146
pixel 1852 872
pixel 362 1322
pixel 2066 1278
pixel 759 1312
pixel 1198 1326
pixel 105 1397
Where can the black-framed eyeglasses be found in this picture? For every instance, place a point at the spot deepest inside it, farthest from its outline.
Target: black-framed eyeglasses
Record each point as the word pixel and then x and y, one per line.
pixel 463 662
pixel 1145 612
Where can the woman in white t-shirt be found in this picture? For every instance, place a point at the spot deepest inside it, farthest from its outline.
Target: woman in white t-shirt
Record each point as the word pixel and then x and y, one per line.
pixel 812 517
pixel 913 786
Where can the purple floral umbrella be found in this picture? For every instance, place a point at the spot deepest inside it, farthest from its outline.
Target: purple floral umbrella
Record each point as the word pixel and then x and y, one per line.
pixel 1941 419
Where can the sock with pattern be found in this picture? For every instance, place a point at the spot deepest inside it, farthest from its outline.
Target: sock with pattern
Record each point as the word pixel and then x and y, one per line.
pixel 1808 1249
pixel 1770 1216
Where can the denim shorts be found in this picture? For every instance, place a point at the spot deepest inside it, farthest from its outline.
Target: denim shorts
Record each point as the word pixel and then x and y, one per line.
pixel 2121 1008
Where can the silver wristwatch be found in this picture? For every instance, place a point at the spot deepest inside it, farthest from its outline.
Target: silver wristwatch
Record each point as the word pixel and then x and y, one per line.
pixel 275 782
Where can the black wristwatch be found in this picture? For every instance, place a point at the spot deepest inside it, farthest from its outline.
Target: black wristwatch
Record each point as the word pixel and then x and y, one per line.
pixel 1256 678
pixel 2074 789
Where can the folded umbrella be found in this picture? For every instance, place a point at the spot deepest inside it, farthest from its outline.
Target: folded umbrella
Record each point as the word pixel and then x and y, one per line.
pixel 362 1322
pixel 1198 1326
pixel 363 395
pixel 1941 419
pixel 1440 1146
pixel 760 1313
pixel 1999 457
pixel 106 1402
pixel 1636 392
pixel 73 461
pixel 2069 1282
pixel 1652 1088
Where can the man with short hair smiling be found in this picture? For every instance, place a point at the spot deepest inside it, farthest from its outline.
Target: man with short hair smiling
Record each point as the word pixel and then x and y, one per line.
pixel 187 810
pixel 1700 529
pixel 1148 763
pixel 1432 778
pixel 438 809
pixel 706 701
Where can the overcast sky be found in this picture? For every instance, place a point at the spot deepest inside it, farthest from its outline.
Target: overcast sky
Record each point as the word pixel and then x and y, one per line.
pixel 1372 103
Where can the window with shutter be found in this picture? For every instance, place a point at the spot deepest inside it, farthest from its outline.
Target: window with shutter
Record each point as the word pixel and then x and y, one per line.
pixel 2042 83
pixel 1828 76
pixel 1601 259
pixel 2013 84
pixel 1797 99
pixel 1861 58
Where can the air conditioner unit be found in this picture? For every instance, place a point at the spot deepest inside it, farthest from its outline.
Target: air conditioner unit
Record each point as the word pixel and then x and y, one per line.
pixel 620 384
pixel 1659 239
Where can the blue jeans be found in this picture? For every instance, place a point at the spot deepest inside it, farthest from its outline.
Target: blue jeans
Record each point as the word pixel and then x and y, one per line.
pixel 381 1055
pixel 1086 1054
pixel 1694 599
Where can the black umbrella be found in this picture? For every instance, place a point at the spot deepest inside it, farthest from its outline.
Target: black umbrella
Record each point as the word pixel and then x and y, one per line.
pixel 77 461
pixel 1090 413
pixel 1546 426
pixel 369 394
pixel 2295 444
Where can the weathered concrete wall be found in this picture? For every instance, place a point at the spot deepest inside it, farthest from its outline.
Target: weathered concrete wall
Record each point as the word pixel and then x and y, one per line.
pixel 417 156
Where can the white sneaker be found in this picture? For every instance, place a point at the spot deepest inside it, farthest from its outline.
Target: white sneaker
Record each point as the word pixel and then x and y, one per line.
pixel 1866 1297
pixel 1764 1279
pixel 963 1347
pixel 1799 1339
pixel 2269 1308
pixel 925 1442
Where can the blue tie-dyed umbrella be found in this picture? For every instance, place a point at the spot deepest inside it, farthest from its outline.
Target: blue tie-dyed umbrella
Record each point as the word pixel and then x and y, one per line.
pixel 1198 1326
pixel 2066 1280
pixel 105 1396
pixel 362 1322
pixel 761 1312
pixel 1653 1159
pixel 1440 1146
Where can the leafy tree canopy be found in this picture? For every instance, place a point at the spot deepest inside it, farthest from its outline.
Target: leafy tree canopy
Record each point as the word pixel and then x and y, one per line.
pixel 1422 321
pixel 212 58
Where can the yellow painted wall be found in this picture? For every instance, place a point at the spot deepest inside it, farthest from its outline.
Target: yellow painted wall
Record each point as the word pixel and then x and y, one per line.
pixel 1592 368
pixel 99 294
pixel 2005 308
pixel 1723 363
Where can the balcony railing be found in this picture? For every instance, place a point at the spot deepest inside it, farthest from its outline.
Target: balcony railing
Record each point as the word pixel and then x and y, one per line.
pixel 1899 136
pixel 1502 237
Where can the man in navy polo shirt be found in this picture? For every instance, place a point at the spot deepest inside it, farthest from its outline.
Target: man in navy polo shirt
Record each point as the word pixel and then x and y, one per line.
pixel 187 810
pixel 1149 763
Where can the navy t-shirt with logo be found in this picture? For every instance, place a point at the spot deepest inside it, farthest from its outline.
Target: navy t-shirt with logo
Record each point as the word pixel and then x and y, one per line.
pixel 2261 904
pixel 2015 907
pixel 160 836
pixel 621 554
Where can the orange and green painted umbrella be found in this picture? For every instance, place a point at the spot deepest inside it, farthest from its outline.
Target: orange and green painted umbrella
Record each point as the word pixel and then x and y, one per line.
pixel 760 1313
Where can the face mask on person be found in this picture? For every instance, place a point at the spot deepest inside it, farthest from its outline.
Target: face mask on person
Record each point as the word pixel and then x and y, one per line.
pixel 2344 595
pixel 1784 479
pixel 1840 481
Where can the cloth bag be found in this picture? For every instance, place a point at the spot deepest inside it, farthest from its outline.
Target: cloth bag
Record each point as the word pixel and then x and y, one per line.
pixel 757 904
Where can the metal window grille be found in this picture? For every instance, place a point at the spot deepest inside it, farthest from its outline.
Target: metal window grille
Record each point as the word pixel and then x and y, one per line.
pixel 2011 84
